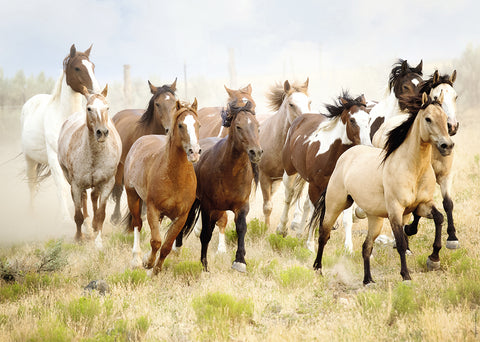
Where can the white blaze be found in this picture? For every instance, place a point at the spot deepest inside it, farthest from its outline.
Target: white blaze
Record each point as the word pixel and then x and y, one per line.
pixel 190 123
pixel 89 66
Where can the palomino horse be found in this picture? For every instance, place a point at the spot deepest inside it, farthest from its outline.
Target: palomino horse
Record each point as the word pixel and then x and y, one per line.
pixel 313 145
pixel 225 173
pixel 132 124
pixel 89 150
pixel 290 101
pixel 210 117
pixel 43 116
pixel 390 183
pixel 442 165
pixel 159 172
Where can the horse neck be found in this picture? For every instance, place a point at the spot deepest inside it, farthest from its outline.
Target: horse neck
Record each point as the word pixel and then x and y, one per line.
pixel 69 100
pixel 232 156
pixel 176 157
pixel 282 123
pixel 387 108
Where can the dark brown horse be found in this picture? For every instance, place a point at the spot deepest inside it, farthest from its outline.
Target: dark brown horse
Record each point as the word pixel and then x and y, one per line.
pixel 159 172
pixel 225 173
pixel 313 145
pixel 132 124
pixel 210 117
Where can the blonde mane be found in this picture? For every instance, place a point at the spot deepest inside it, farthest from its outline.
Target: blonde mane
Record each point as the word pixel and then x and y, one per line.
pixel 277 94
pixel 57 89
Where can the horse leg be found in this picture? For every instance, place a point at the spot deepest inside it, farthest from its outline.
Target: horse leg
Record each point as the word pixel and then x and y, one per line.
pixel 32 179
pixel 374 228
pixel 205 237
pixel 396 222
pixel 241 226
pixel 100 195
pixel 117 195
pixel 445 187
pixel 77 201
pixel 266 186
pixel 428 210
pixel 288 182
pixel 154 220
pixel 347 224
pixel 222 225
pixel 134 205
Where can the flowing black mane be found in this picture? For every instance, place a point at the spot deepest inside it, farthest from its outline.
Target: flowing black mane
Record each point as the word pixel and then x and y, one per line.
pixel 232 110
pixel 337 109
pixel 413 104
pixel 400 69
pixel 147 117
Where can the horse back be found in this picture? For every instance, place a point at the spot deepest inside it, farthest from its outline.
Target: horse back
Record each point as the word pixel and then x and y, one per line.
pixel 211 123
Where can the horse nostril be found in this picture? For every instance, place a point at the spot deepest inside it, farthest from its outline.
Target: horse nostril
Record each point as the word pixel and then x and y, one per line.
pixel 190 151
pixel 166 130
pixel 199 151
pixel 106 133
pixel 99 132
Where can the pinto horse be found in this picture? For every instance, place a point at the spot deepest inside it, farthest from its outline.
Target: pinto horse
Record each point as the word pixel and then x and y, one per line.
pixel 313 145
pixel 392 182
pixel 289 101
pixel 159 172
pixel 89 150
pixel 210 117
pixel 43 116
pixel 132 124
pixel 225 173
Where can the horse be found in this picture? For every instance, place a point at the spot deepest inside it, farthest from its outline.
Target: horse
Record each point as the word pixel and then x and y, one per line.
pixel 132 124
pixel 159 172
pixel 390 182
pixel 42 118
pixel 442 165
pixel 225 173
pixel 289 102
pixel 210 117
pixel 89 150
pixel 313 145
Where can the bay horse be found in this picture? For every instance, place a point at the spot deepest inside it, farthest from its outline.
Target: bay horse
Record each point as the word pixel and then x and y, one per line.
pixel 210 117
pixel 89 150
pixel 159 172
pixel 390 182
pixel 225 173
pixel 132 124
pixel 442 165
pixel 313 145
pixel 42 118
pixel 289 101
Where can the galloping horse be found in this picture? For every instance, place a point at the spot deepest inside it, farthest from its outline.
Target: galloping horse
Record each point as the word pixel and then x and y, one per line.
pixel 289 101
pixel 313 145
pixel 132 124
pixel 89 150
pixel 225 173
pixel 210 117
pixel 159 172
pixel 43 116
pixel 399 180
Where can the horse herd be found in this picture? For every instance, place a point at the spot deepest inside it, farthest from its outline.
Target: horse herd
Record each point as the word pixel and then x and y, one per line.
pixel 177 161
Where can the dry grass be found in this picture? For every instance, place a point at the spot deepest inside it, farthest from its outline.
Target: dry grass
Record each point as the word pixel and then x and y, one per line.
pixel 279 299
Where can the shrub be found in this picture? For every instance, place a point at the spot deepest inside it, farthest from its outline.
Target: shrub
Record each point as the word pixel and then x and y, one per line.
pixel 256 229
pixel 289 245
pixel 404 299
pixel 83 309
pixel 188 270
pixel 296 276
pixel 133 277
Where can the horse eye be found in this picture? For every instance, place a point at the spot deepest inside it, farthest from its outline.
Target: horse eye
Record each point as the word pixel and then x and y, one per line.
pixel 157 104
pixel 77 69
pixel 238 127
pixel 180 126
pixel 89 109
pixel 428 120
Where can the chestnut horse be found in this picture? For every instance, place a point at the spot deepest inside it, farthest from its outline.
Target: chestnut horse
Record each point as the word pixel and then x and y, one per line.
pixel 132 124
pixel 225 173
pixel 89 150
pixel 313 145
pixel 43 116
pixel 289 101
pixel 210 117
pixel 392 182
pixel 159 172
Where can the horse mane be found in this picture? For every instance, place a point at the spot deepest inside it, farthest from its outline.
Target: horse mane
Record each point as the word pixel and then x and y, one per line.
pixel 413 104
pixel 427 85
pixel 336 110
pixel 147 117
pixel 277 94
pixel 397 72
pixel 57 89
pixel 232 110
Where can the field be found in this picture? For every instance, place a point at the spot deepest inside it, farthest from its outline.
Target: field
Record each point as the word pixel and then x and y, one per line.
pixel 280 298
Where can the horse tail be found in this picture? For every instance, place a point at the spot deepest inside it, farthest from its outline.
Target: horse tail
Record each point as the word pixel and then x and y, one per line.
pixel 298 187
pixel 319 211
pixel 192 219
pixel 43 171
pixel 127 222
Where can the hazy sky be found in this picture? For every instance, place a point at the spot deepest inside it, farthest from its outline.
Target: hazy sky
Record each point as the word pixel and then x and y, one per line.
pixel 157 37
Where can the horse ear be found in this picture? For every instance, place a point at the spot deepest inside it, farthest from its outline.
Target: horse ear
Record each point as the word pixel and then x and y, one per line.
pixel 454 76
pixel 173 86
pixel 286 86
pixel 361 99
pixel 73 51
pixel 178 105
pixel 248 88
pixel 424 98
pixel 229 91
pixel 153 89
pixel 87 51
pixel 105 90
pixel 195 104
pixel 435 77
pixel 418 68
pixel 305 85
pixel 440 97
pixel 404 65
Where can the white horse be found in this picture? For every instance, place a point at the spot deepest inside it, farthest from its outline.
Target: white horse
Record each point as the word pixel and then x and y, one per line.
pixel 43 116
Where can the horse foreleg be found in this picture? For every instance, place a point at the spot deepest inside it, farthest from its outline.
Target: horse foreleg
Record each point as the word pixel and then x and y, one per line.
pixel 288 182
pixel 301 215
pixel 100 195
pixel 396 222
pixel 173 231
pixel 241 226
pixel 77 201
pixel 222 225
pixel 445 187
pixel 154 221
pixel 205 237
pixel 374 228
pixel 117 195
pixel 266 186
pixel 428 210
pixel 134 204
pixel 347 224
pixel 32 179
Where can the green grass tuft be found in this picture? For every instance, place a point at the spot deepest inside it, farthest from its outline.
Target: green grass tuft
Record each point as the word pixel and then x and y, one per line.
pixel 289 245
pixel 188 270
pixel 256 229
pixel 133 277
pixel 52 331
pixel 296 276
pixel 404 299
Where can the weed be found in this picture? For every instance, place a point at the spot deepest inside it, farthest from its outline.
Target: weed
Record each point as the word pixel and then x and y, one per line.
pixel 256 229
pixel 52 330
pixel 296 276
pixel 188 270
pixel 289 245
pixel 371 302
pixel 404 299
pixel 53 258
pixel 83 310
pixel 133 277
pixel 271 268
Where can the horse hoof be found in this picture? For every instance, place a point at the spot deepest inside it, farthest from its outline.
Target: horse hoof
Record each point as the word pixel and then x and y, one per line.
pixel 432 265
pixel 408 252
pixel 240 267
pixel 281 231
pixel 359 213
pixel 136 262
pixel 349 248
pixel 114 220
pixel 452 244
pixel 221 250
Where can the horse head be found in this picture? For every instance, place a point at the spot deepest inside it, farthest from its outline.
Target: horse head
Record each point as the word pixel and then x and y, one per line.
pixel 291 99
pixel 241 96
pixel 161 107
pixel 185 129
pixel 244 130
pixel 79 71
pixel 97 114
pixel 405 79
pixel 444 85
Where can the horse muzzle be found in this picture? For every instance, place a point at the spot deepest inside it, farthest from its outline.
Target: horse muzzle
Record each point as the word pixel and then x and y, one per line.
pixel 255 155
pixel 452 128
pixel 445 147
pixel 101 134
pixel 193 154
